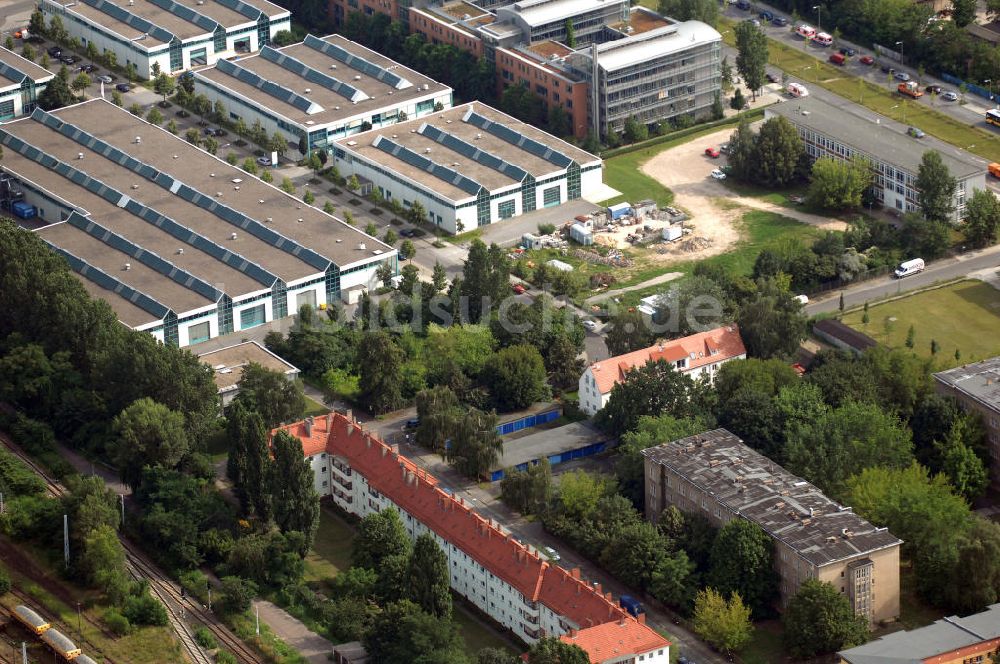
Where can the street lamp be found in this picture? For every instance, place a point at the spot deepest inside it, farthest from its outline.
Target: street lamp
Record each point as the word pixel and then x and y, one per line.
pixel 819 16
pixel 901 58
pixel 989 81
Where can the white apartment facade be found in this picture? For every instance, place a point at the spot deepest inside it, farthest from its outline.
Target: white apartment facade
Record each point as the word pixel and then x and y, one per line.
pixel 21 81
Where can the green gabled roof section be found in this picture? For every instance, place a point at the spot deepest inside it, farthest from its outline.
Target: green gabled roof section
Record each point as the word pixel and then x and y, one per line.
pixel 347 91
pixel 412 158
pixel 146 257
pixel 304 104
pixel 357 62
pixel 517 139
pixel 191 16
pixel 11 72
pixel 104 280
pixel 131 20
pixel 469 150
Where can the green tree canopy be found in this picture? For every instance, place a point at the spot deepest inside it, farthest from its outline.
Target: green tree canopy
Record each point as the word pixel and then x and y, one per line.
pixel 381 364
pixel 550 650
pixel 651 389
pixel 779 150
pixel 271 394
pixel 751 56
pixel 403 634
pixel 838 185
pixel 627 331
pixel 742 561
pixel 820 620
pixel 771 322
pixel 982 218
pixel 476 446
pixel 528 491
pixel 429 578
pixel 515 377
pixel 724 625
pixel 935 188
pixel 380 535
pixel 295 501
pixel 148 434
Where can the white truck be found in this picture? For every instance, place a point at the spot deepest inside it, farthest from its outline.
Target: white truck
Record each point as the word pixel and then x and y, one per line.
pixel 906 268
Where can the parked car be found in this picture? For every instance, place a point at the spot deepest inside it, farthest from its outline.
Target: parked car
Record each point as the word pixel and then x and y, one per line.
pixel 779 21
pixel 69 59
pixel 887 69
pixel 773 78
pixel 55 51
pixel 518 288
pixel 90 69
pixel 766 16
pixel 551 553
pixel 123 87
pixel 712 152
pixel 949 96
pixel 849 52
pixel 901 76
pixel 406 232
pixel 724 148
pixel 411 423
pixel 589 325
pixel 933 89
pixel 743 4
pixel 264 161
pixel 906 268
pixel 718 174
pixel 104 78
pixel 866 60
pixel 209 131
pixel 915 133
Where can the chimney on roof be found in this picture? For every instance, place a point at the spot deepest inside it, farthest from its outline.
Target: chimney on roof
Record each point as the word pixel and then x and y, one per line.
pixel 329 421
pixel 309 426
pixel 641 618
pixel 597 587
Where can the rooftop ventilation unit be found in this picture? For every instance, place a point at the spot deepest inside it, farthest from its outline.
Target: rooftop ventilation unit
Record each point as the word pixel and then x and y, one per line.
pixel 218 194
pixel 394 135
pixel 301 220
pixel 135 186
pixel 180 251
pixel 127 266
pixel 333 66
pixel 138 139
pixel 211 175
pixel 232 236
pixel 236 188
pixel 260 201
pixel 269 219
pixel 427 150
pixel 307 90
pixel 377 252
pixel 361 246
pixel 357 77
pixel 175 156
pixel 79 155
pixel 237 180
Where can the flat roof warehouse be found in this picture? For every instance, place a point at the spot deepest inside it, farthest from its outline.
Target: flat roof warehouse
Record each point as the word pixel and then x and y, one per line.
pixel 457 151
pixel 320 81
pixel 161 20
pixel 186 242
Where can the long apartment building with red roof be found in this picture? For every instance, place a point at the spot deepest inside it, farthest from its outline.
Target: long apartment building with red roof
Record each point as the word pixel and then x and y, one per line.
pixel 502 577
pixel 698 355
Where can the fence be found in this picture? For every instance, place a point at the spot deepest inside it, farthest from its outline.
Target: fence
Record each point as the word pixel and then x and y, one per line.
pixel 837 284
pixel 974 89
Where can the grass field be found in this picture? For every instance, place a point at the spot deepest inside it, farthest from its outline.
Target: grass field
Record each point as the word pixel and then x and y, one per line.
pixel 963 316
pixel 877 97
pixel 765 646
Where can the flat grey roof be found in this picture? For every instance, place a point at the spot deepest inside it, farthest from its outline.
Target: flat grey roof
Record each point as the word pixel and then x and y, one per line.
pixel 184 19
pixel 377 86
pixel 228 363
pixel 541 12
pixel 980 381
pixel 205 202
pixel 917 645
pixel 447 138
pixel 13 69
pixel 787 507
pixel 657 43
pixel 549 442
pixel 856 127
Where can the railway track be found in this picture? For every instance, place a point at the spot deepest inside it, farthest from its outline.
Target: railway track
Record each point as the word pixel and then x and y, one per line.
pixel 140 567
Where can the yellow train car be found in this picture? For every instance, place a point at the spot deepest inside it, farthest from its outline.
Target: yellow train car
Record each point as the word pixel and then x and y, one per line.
pixel 30 619
pixel 83 659
pixel 61 644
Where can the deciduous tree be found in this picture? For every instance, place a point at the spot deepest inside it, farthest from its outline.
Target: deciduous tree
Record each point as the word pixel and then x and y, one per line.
pixel 820 620
pixel 271 394
pixel 838 185
pixel 742 561
pixel 148 434
pixel 550 650
pixel 429 578
pixel 404 634
pixel 528 491
pixel 982 218
pixel 652 389
pixel 751 56
pixel 476 446
pixel 779 150
pixel 771 322
pixel 935 188
pixel 380 535
pixel 295 501
pixel 381 363
pixel 515 377
pixel 627 331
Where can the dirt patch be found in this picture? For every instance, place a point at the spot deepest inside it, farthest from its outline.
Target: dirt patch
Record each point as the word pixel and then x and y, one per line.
pixel 713 208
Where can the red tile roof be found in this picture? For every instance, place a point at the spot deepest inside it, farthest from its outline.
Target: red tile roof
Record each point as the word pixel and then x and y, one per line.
pixel 723 343
pixel 415 491
pixel 615 640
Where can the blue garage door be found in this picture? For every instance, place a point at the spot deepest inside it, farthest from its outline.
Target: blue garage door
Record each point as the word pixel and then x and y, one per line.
pixel 252 317
pixel 550 196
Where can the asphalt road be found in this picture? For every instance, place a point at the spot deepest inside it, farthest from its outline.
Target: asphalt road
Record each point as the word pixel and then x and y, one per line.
pixel 943 270
pixel 971 114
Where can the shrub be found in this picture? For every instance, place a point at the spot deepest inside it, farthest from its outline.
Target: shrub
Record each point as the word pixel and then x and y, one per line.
pixel 225 657
pixel 145 609
pixel 546 229
pixel 205 638
pixel 195 583
pixel 237 594
pixel 4 581
pixel 117 623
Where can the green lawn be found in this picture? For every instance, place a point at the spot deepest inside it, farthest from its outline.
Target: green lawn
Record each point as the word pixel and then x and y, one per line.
pixel 880 98
pixel 331 550
pixel 759 230
pixel 478 634
pixel 314 408
pixel 765 646
pixel 963 316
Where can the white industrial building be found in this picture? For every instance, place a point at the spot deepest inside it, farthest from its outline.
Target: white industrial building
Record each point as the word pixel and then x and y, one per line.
pixel 178 242
pixel 894 155
pixel 323 89
pixel 502 577
pixel 175 34
pixel 21 81
pixel 470 166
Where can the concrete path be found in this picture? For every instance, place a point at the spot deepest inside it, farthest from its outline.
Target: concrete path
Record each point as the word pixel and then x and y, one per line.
pixel 661 279
pixel 289 629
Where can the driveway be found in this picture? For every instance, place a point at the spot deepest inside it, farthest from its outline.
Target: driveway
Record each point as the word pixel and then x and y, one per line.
pixel 310 645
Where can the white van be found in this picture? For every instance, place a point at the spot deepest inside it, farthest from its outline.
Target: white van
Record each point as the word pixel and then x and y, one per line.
pixel 806 31
pixel 906 268
pixel 823 39
pixel 802 299
pixel 797 90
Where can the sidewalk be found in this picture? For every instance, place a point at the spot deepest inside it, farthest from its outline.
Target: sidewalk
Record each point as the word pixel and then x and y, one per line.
pixel 289 629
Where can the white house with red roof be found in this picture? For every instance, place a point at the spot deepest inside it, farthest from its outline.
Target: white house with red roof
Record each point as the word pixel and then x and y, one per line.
pixel 699 355
pixel 502 577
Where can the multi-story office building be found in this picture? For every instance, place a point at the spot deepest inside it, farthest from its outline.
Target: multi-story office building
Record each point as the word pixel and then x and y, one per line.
pixel 652 76
pixel 469 166
pixel 323 89
pixel 698 355
pixel 21 81
pixel 178 242
pixel 714 474
pixel 541 68
pixel 174 34
pixel 541 20
pixel 843 133
pixel 500 576
pixel 977 389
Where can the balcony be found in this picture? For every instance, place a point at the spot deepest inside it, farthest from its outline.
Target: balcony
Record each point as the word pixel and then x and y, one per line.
pixel 527 617
pixel 533 632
